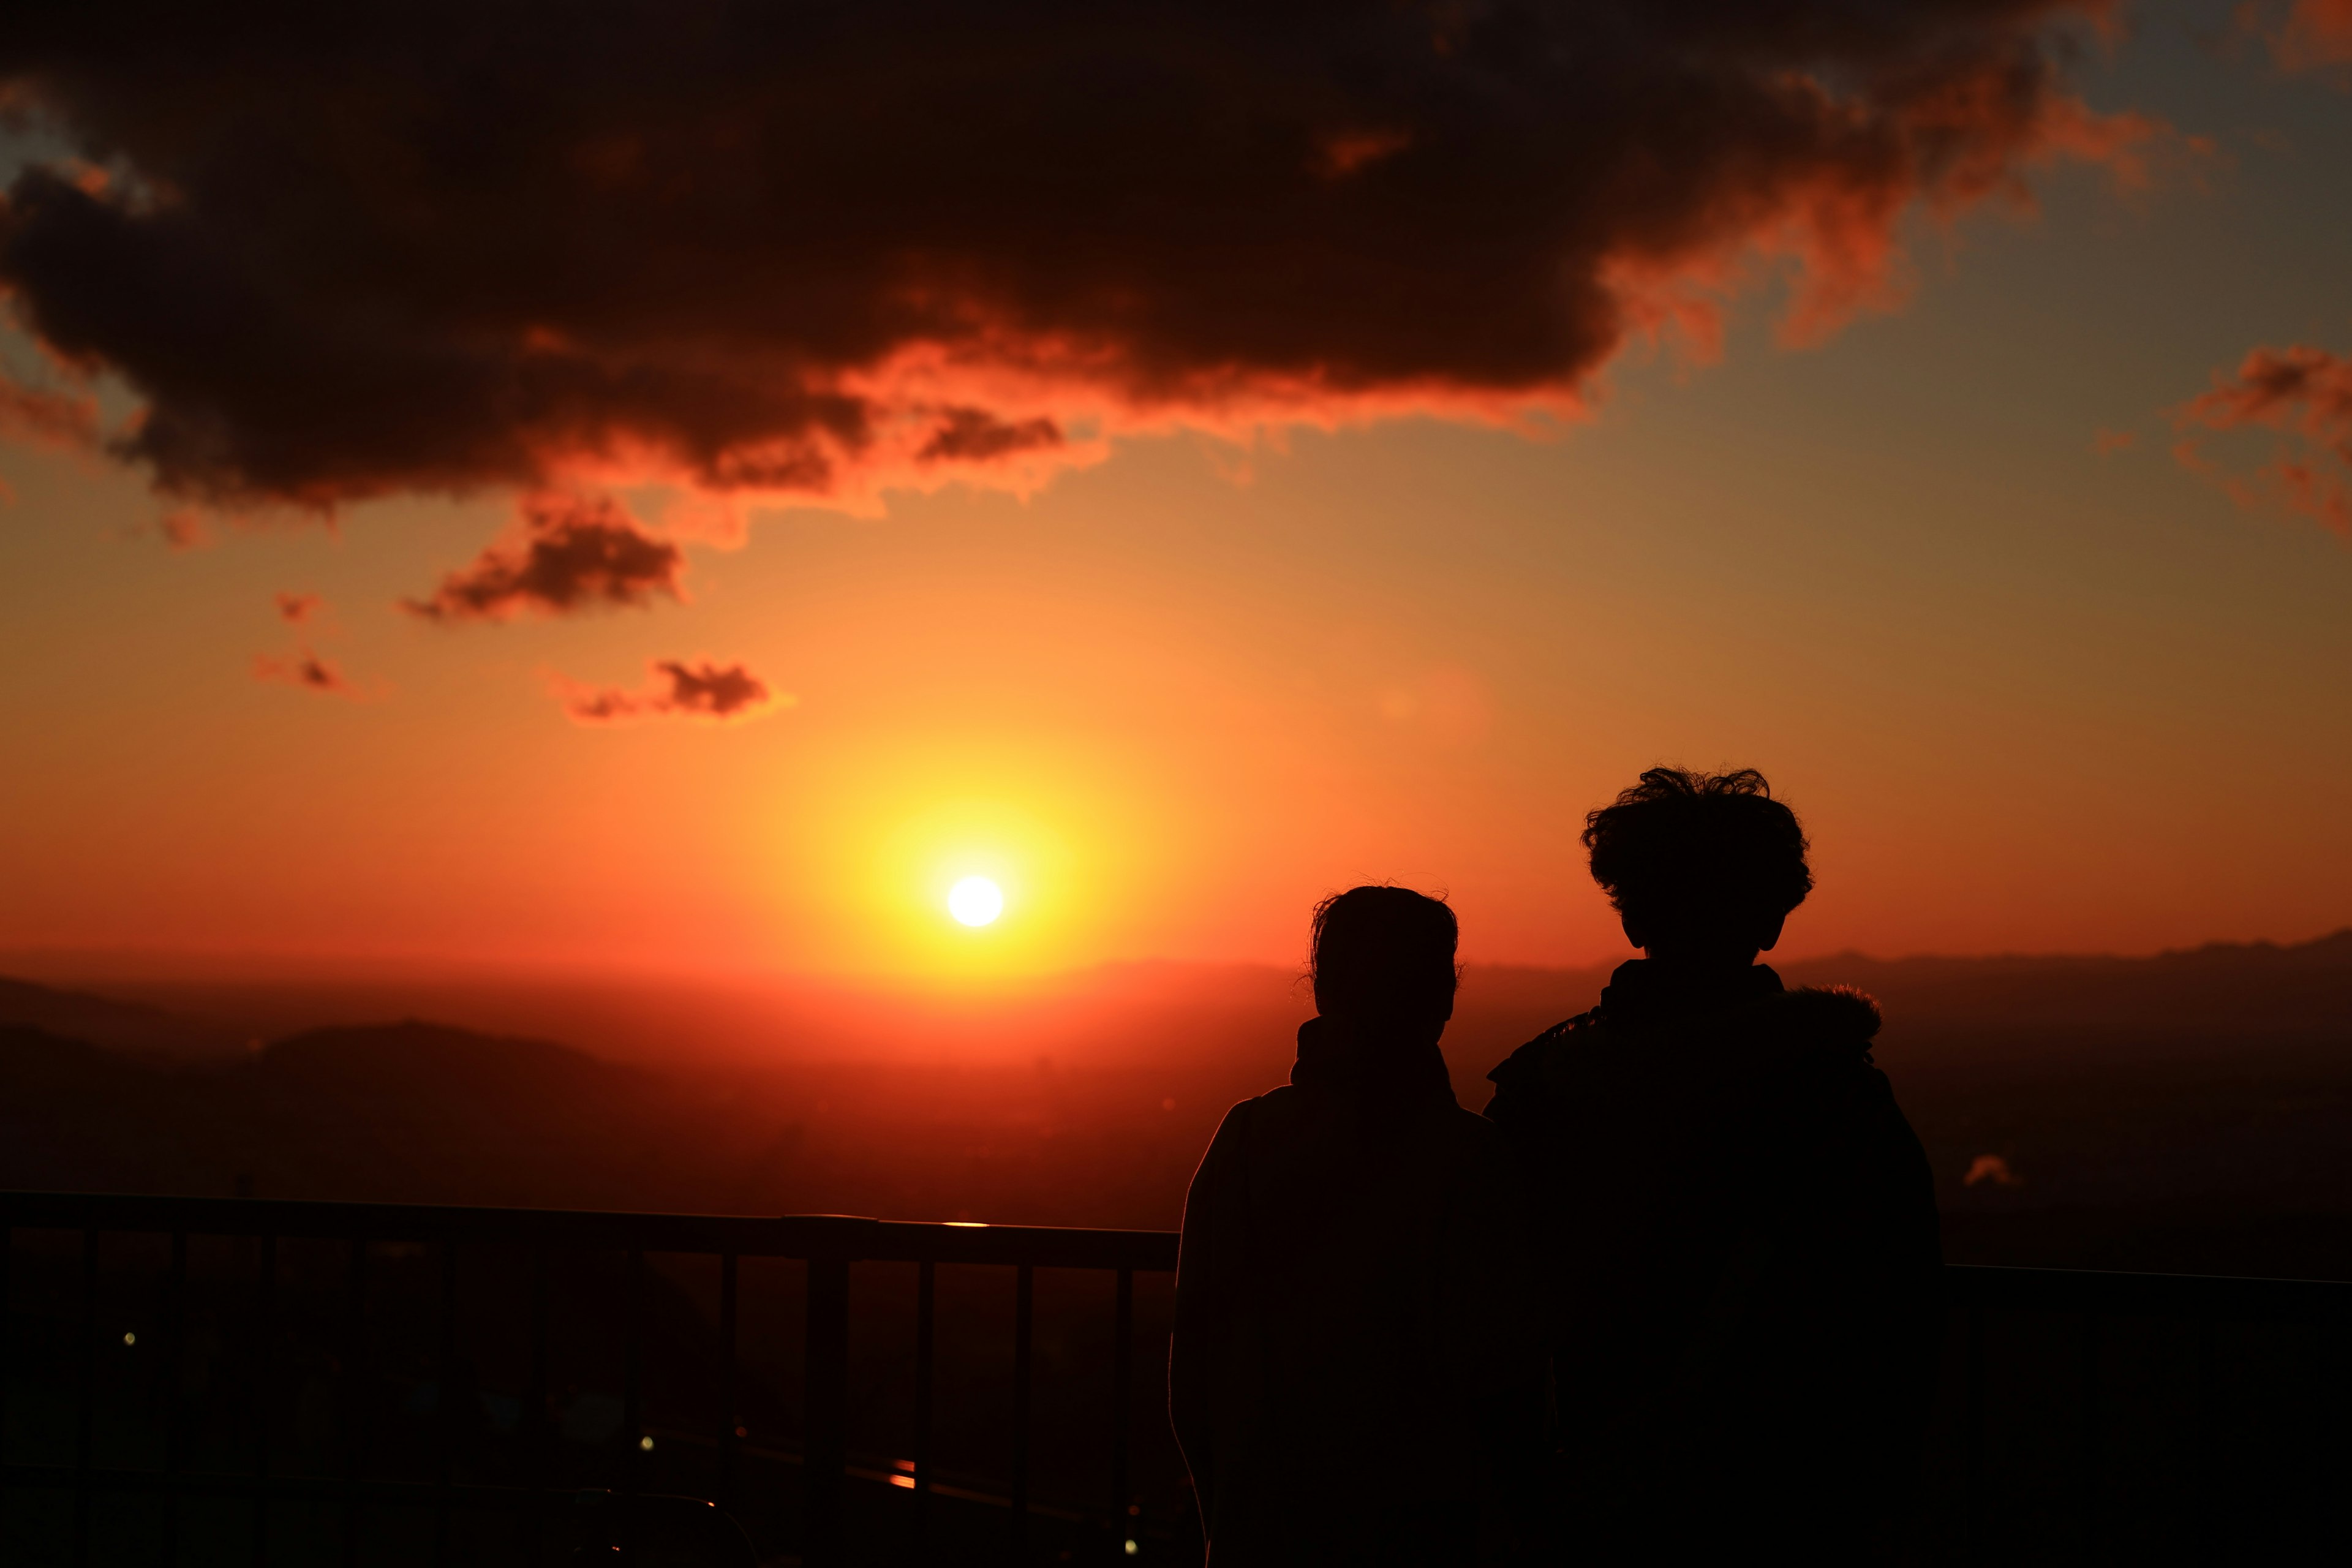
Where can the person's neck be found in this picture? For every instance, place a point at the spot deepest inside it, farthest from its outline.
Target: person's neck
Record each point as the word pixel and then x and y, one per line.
pixel 1700 968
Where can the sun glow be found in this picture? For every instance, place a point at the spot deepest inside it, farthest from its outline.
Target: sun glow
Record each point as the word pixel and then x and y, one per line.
pixel 975 900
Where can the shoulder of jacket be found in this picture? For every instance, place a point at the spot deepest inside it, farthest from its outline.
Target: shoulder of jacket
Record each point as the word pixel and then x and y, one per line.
pixel 1556 1040
pixel 1531 1063
pixel 1839 1018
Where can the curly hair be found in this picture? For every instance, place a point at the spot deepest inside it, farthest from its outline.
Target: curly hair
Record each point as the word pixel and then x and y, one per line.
pixel 1384 950
pixel 1695 857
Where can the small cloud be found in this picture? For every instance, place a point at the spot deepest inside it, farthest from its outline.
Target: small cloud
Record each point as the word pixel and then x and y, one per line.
pixel 1991 1168
pixel 299 609
pixel 975 435
pixel 2107 443
pixel 2303 392
pixel 571 553
pixel 676 688
pixel 307 670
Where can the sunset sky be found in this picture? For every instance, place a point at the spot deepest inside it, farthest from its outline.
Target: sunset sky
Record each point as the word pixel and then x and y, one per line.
pixel 681 498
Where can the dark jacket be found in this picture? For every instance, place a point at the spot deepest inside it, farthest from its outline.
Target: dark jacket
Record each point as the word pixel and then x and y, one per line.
pixel 1357 1370
pixel 1742 1239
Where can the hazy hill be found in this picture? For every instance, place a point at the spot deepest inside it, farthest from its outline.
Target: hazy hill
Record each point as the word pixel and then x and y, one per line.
pixel 2193 1110
pixel 118 1025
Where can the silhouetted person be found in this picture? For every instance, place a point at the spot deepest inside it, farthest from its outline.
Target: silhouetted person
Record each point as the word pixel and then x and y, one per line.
pixel 1741 1225
pixel 1356 1374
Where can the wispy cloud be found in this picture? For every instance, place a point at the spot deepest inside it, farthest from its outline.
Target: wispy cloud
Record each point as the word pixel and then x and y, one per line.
pixel 306 670
pixel 676 689
pixel 2303 392
pixel 567 554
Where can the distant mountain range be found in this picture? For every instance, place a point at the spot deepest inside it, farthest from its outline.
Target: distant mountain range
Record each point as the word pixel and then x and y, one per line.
pixel 2192 1110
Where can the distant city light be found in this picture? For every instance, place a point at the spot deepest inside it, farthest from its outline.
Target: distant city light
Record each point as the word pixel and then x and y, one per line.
pixel 1130 1549
pixel 646 1444
pixel 906 1481
pixel 130 1339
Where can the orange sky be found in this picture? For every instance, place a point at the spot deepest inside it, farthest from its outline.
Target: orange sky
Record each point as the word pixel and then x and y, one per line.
pixel 2030 684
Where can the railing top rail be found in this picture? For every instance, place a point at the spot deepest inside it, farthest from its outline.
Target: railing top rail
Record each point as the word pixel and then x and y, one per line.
pixel 856 1237
pixel 846 1237
pixel 2115 1294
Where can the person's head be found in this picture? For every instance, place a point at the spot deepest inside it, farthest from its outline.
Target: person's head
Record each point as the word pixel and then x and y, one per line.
pixel 1700 867
pixel 1384 957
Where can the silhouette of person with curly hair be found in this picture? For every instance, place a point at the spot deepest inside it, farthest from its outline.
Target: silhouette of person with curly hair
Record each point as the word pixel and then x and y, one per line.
pixel 1739 1226
pixel 1357 1372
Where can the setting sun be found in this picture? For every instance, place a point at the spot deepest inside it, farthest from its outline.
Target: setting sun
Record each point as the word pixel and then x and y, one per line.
pixel 975 901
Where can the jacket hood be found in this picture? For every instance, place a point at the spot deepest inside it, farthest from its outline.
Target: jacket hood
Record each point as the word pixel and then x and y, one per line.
pixel 1833 1017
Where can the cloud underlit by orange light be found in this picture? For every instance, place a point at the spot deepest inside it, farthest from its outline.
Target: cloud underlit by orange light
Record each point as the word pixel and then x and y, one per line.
pixel 676 688
pixel 769 273
pixel 2305 393
pixel 2314 33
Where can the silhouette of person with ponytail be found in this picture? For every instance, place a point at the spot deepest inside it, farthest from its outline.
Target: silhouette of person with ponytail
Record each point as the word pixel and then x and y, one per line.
pixel 1739 1224
pixel 1357 1372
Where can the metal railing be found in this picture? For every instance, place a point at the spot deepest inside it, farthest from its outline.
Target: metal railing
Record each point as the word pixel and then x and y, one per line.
pixel 2090 1304
pixel 2091 1307
pixel 828 1245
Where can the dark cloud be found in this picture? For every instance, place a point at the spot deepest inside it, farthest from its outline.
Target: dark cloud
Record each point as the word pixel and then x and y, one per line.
pixel 570 553
pixel 809 250
pixel 974 432
pixel 2305 393
pixel 306 670
pixel 676 688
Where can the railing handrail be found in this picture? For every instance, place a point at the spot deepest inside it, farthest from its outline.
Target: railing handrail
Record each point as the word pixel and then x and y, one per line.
pixel 840 1238
pixel 2110 1293
pixel 860 1238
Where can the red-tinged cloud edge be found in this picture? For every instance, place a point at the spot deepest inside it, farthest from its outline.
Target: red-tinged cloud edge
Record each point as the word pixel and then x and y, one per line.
pixel 792 254
pixel 44 417
pixel 2305 394
pixel 676 689
pixel 2315 33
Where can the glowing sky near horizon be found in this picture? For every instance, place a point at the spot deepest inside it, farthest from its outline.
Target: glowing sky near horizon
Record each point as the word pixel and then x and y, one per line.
pixel 2032 682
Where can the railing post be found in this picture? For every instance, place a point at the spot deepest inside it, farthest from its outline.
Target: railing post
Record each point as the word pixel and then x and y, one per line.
pixel 926 1341
pixel 1122 1417
pixel 1972 1437
pixel 175 1358
pixel 7 1316
pixel 87 1415
pixel 264 1373
pixel 1025 1303
pixel 2094 1535
pixel 824 1460
pixel 2206 1447
pixel 354 1391
pixel 632 1355
pixel 446 1408
pixel 729 1393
